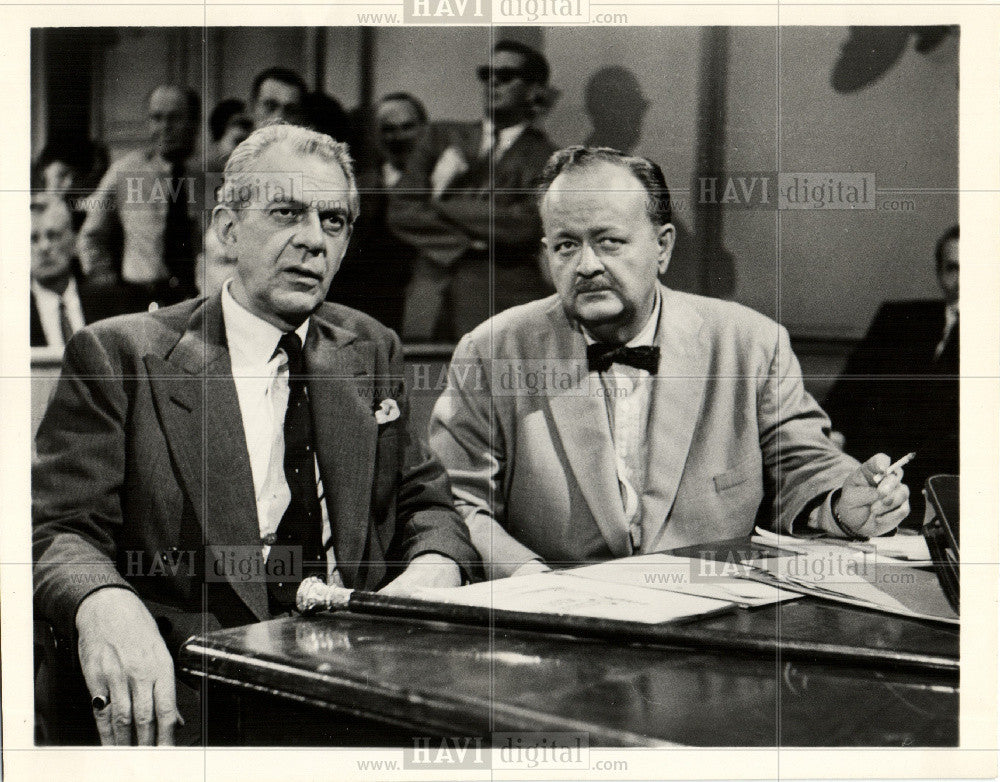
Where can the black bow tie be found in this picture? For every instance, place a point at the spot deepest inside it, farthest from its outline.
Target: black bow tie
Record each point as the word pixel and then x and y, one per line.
pixel 601 356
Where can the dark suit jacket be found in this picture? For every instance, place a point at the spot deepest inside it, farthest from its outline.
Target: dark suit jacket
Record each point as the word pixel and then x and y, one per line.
pixel 96 304
pixel 376 269
pixel 894 396
pixel 142 467
pixel 474 210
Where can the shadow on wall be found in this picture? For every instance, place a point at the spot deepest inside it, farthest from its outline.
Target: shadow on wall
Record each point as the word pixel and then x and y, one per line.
pixel 870 52
pixel 616 106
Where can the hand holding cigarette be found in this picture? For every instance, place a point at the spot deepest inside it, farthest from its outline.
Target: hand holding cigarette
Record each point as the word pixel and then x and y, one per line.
pixel 873 500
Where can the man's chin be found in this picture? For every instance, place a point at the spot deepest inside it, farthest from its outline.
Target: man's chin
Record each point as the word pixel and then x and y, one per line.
pixel 296 307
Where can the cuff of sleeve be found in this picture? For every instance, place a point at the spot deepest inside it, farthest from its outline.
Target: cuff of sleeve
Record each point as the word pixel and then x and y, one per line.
pixel 502 554
pixel 824 519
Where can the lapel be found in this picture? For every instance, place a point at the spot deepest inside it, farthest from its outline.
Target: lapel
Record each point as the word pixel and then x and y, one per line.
pixel 341 392
pixel 581 417
pixel 675 403
pixel 199 412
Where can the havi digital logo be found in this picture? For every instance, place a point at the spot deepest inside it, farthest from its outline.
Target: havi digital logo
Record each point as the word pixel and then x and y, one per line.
pixel 444 11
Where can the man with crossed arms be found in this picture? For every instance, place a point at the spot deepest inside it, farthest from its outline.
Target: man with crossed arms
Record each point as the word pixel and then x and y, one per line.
pixel 685 422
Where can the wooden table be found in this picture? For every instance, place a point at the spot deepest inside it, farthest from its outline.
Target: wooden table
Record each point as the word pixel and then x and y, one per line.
pixel 355 679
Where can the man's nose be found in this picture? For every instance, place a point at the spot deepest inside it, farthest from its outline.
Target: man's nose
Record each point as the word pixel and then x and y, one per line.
pixel 310 234
pixel 588 264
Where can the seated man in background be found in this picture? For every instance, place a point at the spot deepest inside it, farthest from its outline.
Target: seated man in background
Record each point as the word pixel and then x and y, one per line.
pixel 468 185
pixel 62 303
pixel 619 417
pixel 297 408
pixel 143 226
pixel 900 386
pixel 377 267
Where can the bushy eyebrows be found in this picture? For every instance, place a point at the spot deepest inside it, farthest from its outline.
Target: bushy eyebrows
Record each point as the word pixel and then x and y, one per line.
pixel 589 230
pixel 286 200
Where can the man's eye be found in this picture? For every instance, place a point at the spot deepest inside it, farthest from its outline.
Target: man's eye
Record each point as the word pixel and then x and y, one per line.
pixel 564 248
pixel 334 224
pixel 610 243
pixel 284 212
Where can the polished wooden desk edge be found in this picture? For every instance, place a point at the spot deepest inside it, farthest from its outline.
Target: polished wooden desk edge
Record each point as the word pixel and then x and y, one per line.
pixel 265 674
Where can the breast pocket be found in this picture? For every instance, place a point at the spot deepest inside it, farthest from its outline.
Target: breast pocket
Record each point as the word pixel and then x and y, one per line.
pixel 745 471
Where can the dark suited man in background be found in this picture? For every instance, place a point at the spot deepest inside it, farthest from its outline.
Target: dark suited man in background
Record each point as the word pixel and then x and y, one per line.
pixel 900 385
pixel 61 300
pixel 278 95
pixel 466 200
pixel 377 267
pixel 298 410
pixel 619 417
pixel 143 226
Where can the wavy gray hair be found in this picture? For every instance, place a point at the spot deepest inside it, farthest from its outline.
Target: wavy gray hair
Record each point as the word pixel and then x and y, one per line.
pixel 242 162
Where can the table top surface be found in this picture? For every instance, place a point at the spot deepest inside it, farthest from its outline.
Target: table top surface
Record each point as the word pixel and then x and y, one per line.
pixel 452 679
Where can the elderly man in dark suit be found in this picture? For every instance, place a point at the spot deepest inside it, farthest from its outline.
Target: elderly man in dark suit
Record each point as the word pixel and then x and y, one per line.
pixel 61 300
pixel 900 385
pixel 465 201
pixel 620 417
pixel 197 461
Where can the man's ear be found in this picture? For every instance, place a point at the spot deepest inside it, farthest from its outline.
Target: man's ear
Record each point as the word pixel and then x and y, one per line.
pixel 665 238
pixel 224 220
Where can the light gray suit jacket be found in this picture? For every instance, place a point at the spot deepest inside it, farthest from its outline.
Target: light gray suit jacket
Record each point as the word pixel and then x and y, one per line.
pixel 733 435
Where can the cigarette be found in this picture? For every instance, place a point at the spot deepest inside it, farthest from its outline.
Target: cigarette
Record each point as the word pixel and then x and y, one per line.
pixel 899 464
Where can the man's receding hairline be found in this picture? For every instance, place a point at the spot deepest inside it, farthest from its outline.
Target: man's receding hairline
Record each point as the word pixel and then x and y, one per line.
pixel 584 168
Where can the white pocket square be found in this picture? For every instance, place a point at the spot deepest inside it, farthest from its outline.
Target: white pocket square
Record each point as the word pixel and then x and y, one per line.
pixel 386 412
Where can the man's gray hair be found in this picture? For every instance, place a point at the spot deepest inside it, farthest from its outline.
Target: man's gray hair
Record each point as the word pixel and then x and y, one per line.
pixel 237 177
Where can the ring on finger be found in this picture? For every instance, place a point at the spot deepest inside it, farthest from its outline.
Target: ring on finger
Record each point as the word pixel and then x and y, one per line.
pixel 99 702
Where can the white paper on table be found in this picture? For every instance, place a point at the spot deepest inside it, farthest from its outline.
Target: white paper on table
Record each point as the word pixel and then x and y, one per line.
pixel 803 571
pixel 553 593
pixel 704 578
pixel 900 549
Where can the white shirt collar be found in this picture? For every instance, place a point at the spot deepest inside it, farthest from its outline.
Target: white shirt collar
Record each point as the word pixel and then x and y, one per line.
pixel 252 340
pixel 646 335
pixel 41 292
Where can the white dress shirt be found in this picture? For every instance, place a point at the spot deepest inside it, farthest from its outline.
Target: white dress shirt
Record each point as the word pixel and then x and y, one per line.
pixel 505 139
pixel 260 373
pixel 627 392
pixel 390 174
pixel 47 303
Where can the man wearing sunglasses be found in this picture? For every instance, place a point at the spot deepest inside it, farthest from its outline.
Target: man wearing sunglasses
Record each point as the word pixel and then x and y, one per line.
pixel 465 202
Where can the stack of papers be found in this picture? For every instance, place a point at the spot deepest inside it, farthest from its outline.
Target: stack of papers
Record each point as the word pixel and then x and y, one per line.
pixel 705 578
pixel 843 571
pixel 553 593
pixel 651 589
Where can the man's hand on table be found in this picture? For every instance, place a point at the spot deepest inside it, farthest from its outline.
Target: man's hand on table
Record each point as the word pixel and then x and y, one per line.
pixel 126 662
pixel 871 502
pixel 426 570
